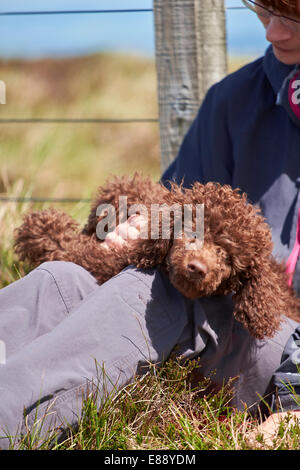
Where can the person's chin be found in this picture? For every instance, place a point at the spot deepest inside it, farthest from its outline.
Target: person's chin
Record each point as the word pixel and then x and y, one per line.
pixel 288 57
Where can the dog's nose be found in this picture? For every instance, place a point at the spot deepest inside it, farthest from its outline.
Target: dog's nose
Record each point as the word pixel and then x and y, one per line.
pixel 197 268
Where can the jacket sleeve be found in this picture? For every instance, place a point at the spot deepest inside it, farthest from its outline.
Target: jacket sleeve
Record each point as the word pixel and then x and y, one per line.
pixel 206 151
pixel 287 377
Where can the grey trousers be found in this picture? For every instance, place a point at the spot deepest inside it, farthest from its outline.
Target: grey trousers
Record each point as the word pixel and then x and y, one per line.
pixel 62 334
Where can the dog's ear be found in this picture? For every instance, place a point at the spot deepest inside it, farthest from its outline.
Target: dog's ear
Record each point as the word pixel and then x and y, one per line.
pixel 262 298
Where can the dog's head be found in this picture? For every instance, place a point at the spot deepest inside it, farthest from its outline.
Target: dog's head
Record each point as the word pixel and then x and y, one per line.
pixel 234 256
pixel 198 268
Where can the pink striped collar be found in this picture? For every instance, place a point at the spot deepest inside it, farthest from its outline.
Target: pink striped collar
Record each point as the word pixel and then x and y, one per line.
pixel 293 258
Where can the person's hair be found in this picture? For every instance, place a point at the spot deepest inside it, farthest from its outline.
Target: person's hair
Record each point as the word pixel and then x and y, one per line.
pixel 283 6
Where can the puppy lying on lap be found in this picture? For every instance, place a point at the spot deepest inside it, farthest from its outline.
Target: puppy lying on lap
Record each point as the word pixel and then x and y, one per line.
pixel 233 254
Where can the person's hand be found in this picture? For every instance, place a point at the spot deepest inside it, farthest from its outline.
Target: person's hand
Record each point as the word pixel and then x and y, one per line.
pixel 123 233
pixel 268 430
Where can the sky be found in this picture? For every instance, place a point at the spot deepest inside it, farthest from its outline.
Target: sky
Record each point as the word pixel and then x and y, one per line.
pixel 34 36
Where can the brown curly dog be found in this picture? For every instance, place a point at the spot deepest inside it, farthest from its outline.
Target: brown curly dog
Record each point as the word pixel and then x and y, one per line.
pixel 234 258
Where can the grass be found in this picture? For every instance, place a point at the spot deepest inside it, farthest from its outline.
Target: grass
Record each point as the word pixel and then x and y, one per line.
pixel 160 410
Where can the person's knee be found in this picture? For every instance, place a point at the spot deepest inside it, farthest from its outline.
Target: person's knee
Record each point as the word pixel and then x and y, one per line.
pixel 73 281
pixel 63 269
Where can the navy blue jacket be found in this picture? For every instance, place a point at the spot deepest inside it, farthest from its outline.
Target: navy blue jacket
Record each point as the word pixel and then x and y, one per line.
pixel 242 137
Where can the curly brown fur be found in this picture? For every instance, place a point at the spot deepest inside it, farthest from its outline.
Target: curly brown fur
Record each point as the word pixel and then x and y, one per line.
pixel 137 189
pixel 236 255
pixel 52 235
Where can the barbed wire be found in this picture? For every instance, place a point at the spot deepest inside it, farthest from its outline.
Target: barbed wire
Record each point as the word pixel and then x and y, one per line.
pixel 24 199
pixel 73 12
pixel 83 12
pixel 77 121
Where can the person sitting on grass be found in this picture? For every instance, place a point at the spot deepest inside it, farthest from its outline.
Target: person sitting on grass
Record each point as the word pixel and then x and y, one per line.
pixel 59 329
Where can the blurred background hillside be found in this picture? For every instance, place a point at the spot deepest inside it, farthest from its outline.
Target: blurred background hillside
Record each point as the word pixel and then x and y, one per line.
pixel 71 160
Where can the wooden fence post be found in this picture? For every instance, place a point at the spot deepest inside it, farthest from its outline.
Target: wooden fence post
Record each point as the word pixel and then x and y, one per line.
pixel 190 37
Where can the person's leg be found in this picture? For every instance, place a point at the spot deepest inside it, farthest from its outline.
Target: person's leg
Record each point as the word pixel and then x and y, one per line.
pixel 231 352
pixel 111 335
pixel 36 303
pixel 262 360
pixel 135 318
pixel 227 350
